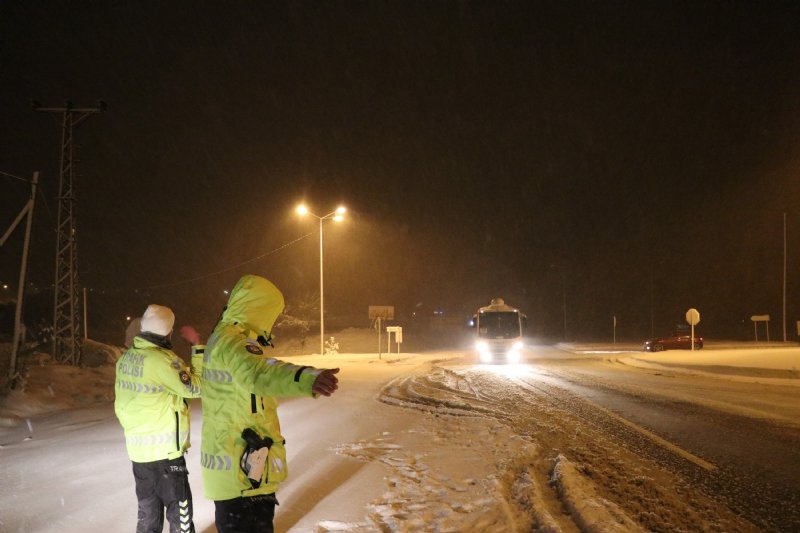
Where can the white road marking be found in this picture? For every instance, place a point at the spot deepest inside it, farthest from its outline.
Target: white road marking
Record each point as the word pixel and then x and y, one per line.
pixel 702 463
pixel 674 448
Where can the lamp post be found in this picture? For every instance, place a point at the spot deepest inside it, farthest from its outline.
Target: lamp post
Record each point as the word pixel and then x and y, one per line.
pixel 336 215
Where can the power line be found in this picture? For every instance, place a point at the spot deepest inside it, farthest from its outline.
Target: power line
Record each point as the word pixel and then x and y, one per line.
pixel 26 180
pixel 161 286
pixel 218 272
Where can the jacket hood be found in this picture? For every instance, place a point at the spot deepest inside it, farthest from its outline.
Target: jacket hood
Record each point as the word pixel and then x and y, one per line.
pixel 254 302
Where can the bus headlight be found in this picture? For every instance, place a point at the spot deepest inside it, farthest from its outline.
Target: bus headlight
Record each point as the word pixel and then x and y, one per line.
pixel 483 351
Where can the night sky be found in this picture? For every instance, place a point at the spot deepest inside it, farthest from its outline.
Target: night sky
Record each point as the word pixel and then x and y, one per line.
pixel 633 159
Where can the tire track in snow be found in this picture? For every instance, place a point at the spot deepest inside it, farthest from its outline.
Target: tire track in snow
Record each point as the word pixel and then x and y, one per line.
pixel 674 448
pixel 621 463
pixel 441 392
pixel 757 460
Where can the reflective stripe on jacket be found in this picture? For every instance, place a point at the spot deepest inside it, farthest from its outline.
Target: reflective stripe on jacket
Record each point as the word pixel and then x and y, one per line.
pixel 240 384
pixel 151 386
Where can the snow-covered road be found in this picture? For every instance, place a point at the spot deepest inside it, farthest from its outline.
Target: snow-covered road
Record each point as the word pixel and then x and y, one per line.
pixel 671 451
pixel 564 442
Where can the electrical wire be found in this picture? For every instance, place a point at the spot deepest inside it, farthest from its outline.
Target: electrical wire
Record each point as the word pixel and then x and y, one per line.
pixel 26 180
pixel 204 276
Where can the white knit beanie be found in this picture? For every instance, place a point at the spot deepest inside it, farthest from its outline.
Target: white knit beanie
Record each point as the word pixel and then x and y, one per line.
pixel 158 319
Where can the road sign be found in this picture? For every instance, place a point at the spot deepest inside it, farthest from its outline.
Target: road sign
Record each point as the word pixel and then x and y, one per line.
pixel 693 317
pixel 760 318
pixel 381 311
pixel 398 333
pixel 398 337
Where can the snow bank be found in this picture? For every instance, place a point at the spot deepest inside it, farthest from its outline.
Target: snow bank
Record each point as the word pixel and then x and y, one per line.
pixel 772 363
pixel 350 340
pixel 48 387
pixel 763 358
pixel 775 366
pixel 591 512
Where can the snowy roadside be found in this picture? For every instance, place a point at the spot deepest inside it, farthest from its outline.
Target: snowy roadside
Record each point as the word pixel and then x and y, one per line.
pixel 47 387
pixel 382 467
pixel 772 364
pixel 407 444
pixel 356 464
pixel 748 374
pixel 425 458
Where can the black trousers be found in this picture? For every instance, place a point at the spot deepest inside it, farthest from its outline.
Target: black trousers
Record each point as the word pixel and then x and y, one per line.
pixel 246 515
pixel 163 485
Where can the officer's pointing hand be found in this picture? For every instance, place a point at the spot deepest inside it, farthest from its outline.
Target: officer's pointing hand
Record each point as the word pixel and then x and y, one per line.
pixel 326 382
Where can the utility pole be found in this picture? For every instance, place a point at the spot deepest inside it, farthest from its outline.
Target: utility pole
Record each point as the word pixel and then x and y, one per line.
pixel 26 212
pixel 66 303
pixel 784 277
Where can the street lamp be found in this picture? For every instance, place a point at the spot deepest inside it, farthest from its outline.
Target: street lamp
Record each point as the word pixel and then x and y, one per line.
pixel 336 216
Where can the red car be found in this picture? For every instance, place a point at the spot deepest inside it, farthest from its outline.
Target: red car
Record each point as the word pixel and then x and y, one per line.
pixel 673 342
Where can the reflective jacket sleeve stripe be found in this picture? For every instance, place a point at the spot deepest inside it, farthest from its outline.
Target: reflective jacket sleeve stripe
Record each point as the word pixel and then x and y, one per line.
pixel 299 371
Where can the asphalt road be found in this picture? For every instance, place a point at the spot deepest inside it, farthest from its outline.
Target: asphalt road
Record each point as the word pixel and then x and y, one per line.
pixel 729 450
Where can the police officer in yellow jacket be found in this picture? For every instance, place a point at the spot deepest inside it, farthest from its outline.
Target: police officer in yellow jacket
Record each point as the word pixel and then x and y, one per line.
pixel 151 391
pixel 242 454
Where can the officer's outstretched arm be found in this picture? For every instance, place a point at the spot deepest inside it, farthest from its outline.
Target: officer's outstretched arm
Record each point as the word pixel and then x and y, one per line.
pixel 268 377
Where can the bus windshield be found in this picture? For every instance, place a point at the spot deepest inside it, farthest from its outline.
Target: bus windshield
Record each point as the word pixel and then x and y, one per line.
pixel 499 325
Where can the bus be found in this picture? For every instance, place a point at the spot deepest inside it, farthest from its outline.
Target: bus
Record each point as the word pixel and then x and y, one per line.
pixel 498 330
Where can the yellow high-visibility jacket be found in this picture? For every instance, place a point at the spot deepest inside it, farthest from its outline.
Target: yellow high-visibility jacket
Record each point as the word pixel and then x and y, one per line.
pixel 151 391
pixel 240 384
